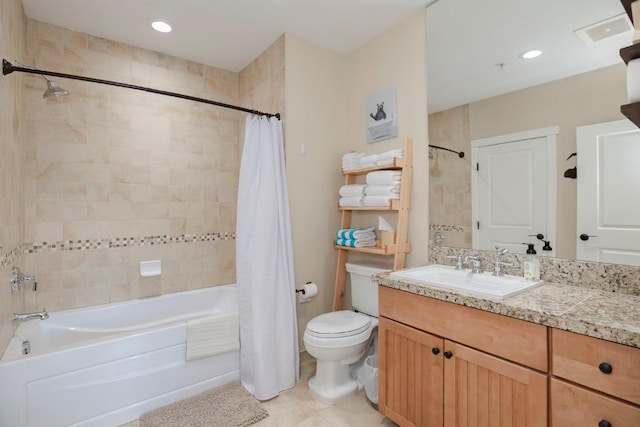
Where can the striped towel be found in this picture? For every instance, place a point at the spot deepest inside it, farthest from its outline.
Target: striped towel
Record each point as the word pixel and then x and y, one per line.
pixel 356 243
pixel 356 233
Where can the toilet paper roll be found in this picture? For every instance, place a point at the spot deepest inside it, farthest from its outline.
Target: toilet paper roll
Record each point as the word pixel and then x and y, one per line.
pixel 310 290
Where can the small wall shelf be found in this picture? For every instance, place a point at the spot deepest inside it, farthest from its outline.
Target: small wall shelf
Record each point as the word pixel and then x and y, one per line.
pixel 630 52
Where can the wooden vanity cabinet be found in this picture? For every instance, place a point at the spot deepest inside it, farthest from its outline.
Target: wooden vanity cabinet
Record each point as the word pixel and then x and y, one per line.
pixel 481 389
pixel 607 382
pixel 442 364
pixel 411 373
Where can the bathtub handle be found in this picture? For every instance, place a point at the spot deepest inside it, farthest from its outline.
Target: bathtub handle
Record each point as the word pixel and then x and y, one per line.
pixel 18 279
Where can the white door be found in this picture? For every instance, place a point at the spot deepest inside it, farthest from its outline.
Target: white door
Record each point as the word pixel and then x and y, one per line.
pixel 514 191
pixel 609 193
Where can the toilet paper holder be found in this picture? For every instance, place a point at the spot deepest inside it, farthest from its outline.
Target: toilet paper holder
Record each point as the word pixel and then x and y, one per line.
pixel 308 291
pixel 302 290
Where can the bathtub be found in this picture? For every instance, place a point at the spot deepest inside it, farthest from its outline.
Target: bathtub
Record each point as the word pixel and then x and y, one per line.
pixel 107 365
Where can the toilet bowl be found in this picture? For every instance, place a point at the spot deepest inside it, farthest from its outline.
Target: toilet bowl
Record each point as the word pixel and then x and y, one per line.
pixel 340 338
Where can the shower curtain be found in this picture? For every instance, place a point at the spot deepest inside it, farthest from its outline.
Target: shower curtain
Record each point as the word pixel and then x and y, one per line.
pixel 264 264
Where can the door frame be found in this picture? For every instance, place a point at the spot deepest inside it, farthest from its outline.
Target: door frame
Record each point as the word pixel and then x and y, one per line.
pixel 550 135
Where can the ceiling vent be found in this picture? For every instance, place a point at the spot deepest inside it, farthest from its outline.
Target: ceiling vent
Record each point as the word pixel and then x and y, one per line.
pixel 604 29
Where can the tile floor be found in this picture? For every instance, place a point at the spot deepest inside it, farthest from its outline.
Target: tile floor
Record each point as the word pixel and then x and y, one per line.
pixel 298 408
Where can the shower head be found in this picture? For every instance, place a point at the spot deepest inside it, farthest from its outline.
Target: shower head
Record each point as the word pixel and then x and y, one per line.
pixel 53 90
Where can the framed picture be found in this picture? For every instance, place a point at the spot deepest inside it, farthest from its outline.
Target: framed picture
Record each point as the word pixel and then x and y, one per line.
pixel 382 120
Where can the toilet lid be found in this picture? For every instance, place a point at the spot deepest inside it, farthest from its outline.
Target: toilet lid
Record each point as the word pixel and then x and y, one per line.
pixel 338 324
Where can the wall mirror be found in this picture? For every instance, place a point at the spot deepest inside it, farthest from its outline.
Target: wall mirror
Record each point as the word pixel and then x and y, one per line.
pixel 480 87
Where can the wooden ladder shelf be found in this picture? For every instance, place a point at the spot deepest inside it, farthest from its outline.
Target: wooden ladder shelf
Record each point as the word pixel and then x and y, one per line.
pixel 401 247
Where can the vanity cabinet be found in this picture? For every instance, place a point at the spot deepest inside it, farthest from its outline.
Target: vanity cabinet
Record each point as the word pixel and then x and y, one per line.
pixel 411 374
pixel 442 364
pixel 597 382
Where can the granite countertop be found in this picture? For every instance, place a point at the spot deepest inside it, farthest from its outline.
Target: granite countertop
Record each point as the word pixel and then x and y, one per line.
pixel 601 314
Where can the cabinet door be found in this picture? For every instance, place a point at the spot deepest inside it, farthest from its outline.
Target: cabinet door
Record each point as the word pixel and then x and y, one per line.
pixel 410 375
pixel 483 390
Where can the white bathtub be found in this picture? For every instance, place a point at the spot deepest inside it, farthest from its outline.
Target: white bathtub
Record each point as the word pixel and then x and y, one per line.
pixel 109 364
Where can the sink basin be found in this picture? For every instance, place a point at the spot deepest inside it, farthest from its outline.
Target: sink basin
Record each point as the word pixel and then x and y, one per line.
pixel 481 284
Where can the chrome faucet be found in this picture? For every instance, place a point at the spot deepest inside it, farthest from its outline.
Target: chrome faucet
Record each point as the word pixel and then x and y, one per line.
pixel 18 279
pixel 497 271
pixel 458 259
pixel 18 318
pixel 476 263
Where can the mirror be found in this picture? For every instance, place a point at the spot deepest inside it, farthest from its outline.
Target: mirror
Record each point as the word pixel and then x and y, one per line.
pixel 479 87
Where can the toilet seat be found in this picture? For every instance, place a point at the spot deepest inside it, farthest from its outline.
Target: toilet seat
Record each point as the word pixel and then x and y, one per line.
pixel 338 324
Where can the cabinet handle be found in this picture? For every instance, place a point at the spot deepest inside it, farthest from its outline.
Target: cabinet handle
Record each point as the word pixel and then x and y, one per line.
pixel 448 354
pixel 605 368
pixel 435 350
pixel 604 423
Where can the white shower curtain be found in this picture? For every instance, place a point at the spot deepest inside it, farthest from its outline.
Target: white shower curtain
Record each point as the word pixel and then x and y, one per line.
pixel 264 264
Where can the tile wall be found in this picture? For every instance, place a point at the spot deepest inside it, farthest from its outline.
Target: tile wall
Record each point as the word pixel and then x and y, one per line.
pixel 450 177
pixel 115 176
pixel 12 46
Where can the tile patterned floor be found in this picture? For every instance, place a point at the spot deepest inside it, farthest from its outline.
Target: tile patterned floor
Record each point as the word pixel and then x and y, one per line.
pixel 298 408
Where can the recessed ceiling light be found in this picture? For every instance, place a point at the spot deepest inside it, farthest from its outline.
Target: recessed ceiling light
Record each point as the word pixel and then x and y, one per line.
pixel 161 26
pixel 530 54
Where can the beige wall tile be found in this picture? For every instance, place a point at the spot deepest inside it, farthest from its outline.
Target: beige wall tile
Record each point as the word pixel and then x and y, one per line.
pixel 13 128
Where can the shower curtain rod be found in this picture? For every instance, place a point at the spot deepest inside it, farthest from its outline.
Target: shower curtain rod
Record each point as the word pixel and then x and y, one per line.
pixel 8 68
pixel 459 153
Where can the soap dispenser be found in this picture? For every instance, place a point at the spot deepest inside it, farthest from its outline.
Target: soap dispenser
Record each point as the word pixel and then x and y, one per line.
pixel 531 263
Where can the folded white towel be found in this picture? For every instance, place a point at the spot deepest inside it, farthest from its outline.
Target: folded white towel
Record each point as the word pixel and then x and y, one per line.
pixel 356 233
pixel 379 200
pixel 351 202
pixel 212 335
pixel 353 155
pixel 351 161
pixel 384 177
pixel 382 190
pixel 352 190
pixel 398 152
pixel 371 158
pixel 385 162
pixel 356 243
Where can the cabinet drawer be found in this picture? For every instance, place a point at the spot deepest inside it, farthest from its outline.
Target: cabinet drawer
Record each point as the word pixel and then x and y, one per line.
pixel 574 406
pixel 584 360
pixel 506 337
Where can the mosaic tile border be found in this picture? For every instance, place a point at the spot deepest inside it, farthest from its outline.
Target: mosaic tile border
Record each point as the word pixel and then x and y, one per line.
pixel 118 242
pixel 442 227
pixel 12 256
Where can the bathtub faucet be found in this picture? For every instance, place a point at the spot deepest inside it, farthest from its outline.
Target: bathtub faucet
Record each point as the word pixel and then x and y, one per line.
pixel 18 279
pixel 42 315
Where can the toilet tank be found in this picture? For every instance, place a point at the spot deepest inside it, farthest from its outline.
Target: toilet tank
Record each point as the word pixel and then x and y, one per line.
pixel 364 293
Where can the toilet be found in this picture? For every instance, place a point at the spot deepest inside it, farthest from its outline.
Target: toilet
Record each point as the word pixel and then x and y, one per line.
pixel 340 338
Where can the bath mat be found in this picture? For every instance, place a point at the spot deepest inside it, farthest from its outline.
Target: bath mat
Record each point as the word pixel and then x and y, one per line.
pixel 230 405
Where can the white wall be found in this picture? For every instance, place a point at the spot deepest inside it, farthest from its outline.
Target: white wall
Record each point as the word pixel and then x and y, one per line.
pixel 325 113
pixel 398 58
pixel 584 99
pixel 315 122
